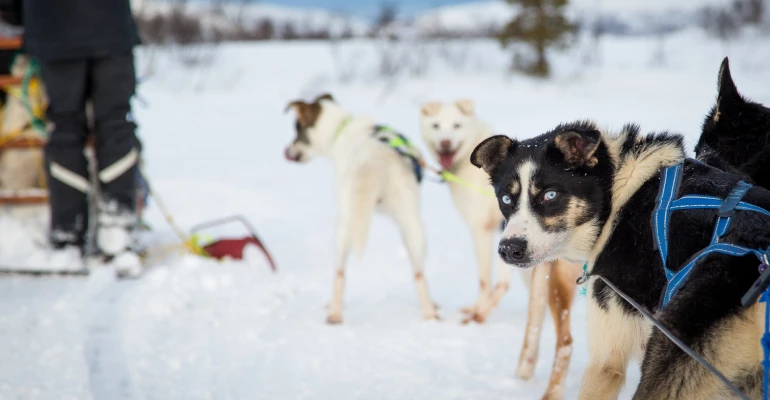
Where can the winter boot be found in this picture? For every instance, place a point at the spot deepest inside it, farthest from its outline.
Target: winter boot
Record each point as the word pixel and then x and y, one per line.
pixel 115 237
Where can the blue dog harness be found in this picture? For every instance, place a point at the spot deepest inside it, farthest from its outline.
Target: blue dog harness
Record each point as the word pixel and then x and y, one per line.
pixel 667 202
pixel 671 177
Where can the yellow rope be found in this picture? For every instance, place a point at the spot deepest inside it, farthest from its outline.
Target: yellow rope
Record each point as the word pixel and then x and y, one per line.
pixel 450 177
pixel 189 242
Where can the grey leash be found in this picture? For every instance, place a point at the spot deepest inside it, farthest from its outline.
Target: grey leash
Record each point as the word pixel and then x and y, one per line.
pixel 676 340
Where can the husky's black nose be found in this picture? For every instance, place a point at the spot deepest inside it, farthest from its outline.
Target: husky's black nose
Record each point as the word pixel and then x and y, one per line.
pixel 513 250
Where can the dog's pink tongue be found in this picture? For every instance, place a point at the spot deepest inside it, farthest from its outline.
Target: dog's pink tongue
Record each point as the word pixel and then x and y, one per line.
pixel 446 159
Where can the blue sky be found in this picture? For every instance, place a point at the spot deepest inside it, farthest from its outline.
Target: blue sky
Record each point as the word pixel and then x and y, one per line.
pixel 368 8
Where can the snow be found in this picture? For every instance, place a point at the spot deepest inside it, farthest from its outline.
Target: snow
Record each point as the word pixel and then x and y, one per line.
pixel 627 17
pixel 634 17
pixel 214 137
pixel 467 17
pixel 303 19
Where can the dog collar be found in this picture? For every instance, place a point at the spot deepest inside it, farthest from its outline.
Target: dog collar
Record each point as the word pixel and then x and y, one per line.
pixel 342 127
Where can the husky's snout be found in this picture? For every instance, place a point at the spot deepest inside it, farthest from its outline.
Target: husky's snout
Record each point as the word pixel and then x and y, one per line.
pixel 292 155
pixel 514 251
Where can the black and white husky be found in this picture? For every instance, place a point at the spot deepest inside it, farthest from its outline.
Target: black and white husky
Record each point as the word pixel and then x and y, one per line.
pixel 584 194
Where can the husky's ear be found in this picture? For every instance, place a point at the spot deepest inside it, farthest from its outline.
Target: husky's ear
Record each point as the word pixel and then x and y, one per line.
pixel 430 108
pixel 726 85
pixel 306 113
pixel 491 152
pixel 325 96
pixel 728 96
pixel 578 147
pixel 465 106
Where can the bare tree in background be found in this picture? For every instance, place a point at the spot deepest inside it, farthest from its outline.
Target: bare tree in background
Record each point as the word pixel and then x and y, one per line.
pixel 386 40
pixel 750 11
pixel 541 24
pixel 727 22
pixel 386 16
pixel 345 67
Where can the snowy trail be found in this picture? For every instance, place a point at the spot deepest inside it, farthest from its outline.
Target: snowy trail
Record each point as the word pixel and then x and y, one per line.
pixel 107 364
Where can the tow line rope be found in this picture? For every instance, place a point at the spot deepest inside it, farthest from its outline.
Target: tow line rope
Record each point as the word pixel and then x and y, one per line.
pixel 189 242
pixel 676 340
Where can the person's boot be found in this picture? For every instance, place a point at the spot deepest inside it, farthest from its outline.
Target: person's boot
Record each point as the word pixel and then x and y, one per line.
pixel 115 237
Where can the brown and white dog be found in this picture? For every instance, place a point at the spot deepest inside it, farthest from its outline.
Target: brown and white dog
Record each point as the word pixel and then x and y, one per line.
pixel 452 131
pixel 369 175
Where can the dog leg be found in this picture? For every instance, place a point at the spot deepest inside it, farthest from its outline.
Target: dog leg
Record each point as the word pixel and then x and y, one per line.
pixel 343 249
pixel 498 292
pixel 538 294
pixel 482 241
pixel 407 216
pixel 613 337
pixel 356 210
pixel 561 293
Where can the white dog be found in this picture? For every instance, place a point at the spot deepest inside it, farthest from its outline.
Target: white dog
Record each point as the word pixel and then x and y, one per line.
pixel 374 167
pixel 452 132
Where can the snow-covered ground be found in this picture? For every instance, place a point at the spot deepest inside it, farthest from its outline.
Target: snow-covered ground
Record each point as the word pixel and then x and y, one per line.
pixel 214 139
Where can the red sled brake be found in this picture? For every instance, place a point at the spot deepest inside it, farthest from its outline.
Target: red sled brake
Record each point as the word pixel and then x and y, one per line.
pixel 232 247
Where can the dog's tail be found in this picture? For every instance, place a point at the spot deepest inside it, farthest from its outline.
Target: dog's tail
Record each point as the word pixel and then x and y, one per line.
pixel 360 213
pixel 360 232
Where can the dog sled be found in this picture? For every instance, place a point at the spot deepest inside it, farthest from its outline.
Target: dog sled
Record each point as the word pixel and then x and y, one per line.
pixel 23 189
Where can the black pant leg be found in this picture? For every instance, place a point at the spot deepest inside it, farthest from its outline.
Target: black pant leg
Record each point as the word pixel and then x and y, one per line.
pixel 66 165
pixel 113 82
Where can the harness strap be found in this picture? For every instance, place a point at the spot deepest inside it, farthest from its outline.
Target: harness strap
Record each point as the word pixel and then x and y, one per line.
pixel 667 202
pixel 766 343
pixel 670 178
pixel 402 145
pixel 722 248
pixel 692 201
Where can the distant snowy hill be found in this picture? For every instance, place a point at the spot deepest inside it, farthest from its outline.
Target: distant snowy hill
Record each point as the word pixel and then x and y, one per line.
pixel 624 17
pixel 627 17
pixel 466 17
pixel 303 19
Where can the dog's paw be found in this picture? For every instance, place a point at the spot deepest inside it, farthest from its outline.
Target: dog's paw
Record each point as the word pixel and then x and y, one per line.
pixel 468 310
pixel 334 319
pixel 431 316
pixel 526 369
pixel 476 316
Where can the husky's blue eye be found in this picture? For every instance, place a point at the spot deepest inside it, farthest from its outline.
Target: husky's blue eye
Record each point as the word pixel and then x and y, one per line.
pixel 506 199
pixel 549 195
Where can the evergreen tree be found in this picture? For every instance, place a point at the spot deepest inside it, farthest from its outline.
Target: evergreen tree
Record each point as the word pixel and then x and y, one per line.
pixel 541 24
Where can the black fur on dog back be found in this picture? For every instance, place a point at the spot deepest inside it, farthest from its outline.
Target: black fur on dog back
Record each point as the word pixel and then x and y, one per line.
pixel 736 132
